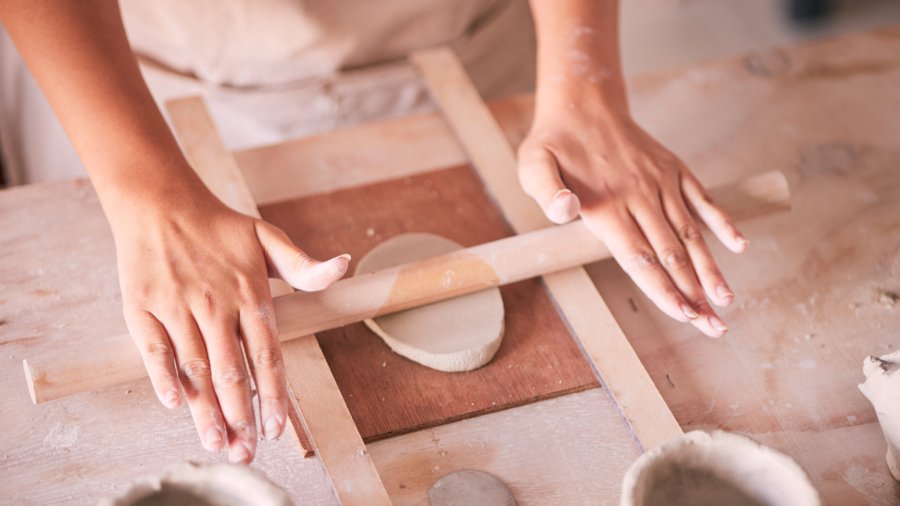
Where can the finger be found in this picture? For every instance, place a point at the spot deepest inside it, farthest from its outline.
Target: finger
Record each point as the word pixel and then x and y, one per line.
pixel 715 218
pixel 267 365
pixel 540 178
pixel 675 260
pixel 231 383
pixel 156 351
pixel 714 283
pixel 194 375
pixel 629 247
pixel 293 265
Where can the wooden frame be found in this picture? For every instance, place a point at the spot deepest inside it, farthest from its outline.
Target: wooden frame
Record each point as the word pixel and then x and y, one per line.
pixel 320 419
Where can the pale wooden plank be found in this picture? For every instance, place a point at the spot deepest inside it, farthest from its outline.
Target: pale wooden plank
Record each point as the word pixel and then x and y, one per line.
pixel 334 436
pixel 381 151
pixel 323 412
pixel 611 354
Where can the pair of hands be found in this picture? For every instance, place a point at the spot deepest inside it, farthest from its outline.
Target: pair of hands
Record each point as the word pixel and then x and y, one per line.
pixel 194 277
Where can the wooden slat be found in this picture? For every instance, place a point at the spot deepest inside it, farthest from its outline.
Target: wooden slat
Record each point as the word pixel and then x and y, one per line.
pixel 322 409
pixel 616 363
pixel 218 169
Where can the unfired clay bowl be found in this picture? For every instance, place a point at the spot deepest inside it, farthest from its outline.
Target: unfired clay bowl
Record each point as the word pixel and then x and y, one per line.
pixel 204 485
pixel 717 468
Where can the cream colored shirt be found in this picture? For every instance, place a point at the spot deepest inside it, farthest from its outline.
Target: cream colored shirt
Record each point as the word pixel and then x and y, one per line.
pixel 271 70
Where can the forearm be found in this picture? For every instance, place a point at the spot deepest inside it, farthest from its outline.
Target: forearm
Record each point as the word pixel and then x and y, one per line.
pixel 579 63
pixel 79 54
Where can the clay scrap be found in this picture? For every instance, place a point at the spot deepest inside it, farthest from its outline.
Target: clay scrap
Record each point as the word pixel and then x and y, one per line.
pixel 882 388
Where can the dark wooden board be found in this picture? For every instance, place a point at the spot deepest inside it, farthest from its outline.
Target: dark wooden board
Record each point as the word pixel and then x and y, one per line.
pixel 388 394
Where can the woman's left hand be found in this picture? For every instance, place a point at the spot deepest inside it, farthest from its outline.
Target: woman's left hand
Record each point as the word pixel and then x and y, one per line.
pixel 640 199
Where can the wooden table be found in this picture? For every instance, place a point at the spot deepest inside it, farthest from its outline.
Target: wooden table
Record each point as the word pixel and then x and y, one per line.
pixel 807 312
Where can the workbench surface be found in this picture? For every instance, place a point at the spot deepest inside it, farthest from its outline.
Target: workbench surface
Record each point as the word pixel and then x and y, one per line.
pixel 813 298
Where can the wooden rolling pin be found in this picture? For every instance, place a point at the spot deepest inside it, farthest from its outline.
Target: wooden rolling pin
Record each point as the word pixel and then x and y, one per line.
pixel 115 359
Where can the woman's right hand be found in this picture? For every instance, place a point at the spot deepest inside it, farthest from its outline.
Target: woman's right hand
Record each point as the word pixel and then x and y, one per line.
pixel 194 279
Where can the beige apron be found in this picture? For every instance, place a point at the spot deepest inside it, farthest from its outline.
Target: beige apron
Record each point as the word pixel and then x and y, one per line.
pixel 277 69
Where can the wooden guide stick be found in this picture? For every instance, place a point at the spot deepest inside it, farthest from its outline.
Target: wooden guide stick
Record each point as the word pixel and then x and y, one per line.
pixel 606 346
pixel 323 413
pixel 114 359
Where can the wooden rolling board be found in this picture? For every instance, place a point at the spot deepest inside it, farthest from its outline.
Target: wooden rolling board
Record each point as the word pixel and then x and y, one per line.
pixel 388 394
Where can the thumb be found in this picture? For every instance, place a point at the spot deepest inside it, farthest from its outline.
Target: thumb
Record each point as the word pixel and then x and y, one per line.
pixel 285 260
pixel 539 176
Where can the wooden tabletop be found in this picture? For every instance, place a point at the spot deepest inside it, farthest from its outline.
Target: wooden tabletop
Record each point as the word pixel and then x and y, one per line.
pixel 810 306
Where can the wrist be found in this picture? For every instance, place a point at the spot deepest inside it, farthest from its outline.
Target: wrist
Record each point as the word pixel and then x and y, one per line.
pixel 572 105
pixel 148 194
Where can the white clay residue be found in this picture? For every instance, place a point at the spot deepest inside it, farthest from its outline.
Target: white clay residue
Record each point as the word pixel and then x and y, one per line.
pixel 882 388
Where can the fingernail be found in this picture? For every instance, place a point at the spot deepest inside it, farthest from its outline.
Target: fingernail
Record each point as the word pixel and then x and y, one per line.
pixel 336 267
pixel 689 312
pixel 742 241
pixel 170 399
pixel 718 324
pixel 564 207
pixel 213 439
pixel 272 428
pixel 239 454
pixel 724 292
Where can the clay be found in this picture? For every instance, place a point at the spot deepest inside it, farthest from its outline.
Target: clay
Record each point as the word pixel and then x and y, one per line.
pixel 454 335
pixel 469 487
pixel 882 388
pixel 204 485
pixel 700 469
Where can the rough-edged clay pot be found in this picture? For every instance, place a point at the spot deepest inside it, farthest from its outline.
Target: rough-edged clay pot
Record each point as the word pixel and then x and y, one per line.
pixel 882 388
pixel 204 485
pixel 716 468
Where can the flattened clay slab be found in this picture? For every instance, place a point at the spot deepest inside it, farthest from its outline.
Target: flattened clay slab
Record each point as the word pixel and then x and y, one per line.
pixel 454 335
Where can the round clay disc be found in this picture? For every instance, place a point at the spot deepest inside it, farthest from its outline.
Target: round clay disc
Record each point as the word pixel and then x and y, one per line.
pixel 468 487
pixel 453 335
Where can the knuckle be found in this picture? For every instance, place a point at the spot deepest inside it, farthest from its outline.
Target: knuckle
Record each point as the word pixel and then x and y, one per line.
pixel 231 377
pixel 642 259
pixel 244 430
pixel 208 300
pixel 689 232
pixel 675 258
pixel 269 358
pixel 700 304
pixel 196 369
pixel 157 350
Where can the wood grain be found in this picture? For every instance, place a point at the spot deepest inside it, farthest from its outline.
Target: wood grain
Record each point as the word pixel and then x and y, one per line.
pixel 388 394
